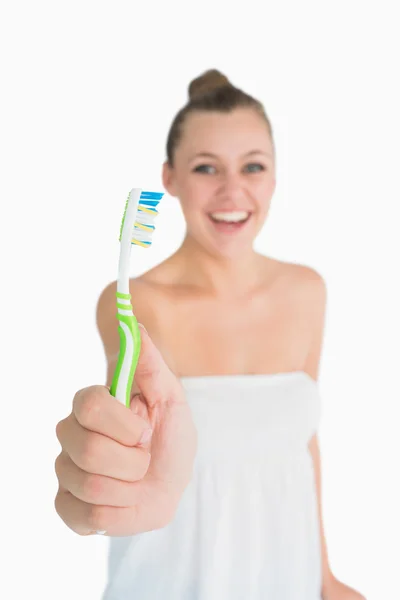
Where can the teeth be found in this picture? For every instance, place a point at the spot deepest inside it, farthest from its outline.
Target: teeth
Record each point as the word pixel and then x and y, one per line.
pixel 230 217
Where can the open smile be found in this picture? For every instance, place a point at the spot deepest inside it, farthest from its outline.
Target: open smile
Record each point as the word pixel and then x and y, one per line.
pixel 229 226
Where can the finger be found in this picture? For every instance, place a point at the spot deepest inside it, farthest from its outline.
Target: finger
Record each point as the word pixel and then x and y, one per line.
pixel 75 513
pixel 153 378
pixel 96 489
pixel 99 454
pixel 95 409
pixel 86 519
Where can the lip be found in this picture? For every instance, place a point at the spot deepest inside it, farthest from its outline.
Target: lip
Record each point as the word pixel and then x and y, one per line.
pixel 228 210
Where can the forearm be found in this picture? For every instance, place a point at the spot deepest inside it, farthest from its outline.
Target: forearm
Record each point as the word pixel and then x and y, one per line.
pixel 327 574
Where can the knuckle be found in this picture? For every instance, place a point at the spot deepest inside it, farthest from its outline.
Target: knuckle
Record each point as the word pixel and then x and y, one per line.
pixel 59 430
pixel 61 507
pixel 99 518
pixel 92 487
pixel 57 504
pixel 57 466
pixel 88 457
pixel 87 406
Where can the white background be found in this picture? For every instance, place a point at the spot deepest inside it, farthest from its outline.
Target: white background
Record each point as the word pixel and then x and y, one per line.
pixel 89 90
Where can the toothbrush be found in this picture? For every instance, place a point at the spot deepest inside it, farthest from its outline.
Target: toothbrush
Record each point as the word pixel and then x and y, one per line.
pixel 136 229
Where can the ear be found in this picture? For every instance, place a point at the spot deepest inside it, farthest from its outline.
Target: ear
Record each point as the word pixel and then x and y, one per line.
pixel 168 179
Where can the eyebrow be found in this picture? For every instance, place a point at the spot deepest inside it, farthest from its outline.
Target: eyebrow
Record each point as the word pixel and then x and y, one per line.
pixel 210 155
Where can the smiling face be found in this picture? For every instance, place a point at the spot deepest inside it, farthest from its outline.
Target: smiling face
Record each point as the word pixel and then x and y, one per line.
pixel 223 164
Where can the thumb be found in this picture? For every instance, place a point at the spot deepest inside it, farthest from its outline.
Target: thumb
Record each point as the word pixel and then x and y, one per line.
pixel 153 378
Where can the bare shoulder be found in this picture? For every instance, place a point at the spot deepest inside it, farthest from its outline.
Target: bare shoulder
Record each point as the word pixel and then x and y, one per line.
pixel 303 283
pixel 298 271
pixel 314 284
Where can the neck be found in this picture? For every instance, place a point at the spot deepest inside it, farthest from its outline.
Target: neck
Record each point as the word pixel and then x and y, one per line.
pixel 219 275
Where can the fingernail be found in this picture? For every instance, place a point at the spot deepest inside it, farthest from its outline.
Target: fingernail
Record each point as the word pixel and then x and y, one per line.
pixel 99 532
pixel 146 436
pixel 143 327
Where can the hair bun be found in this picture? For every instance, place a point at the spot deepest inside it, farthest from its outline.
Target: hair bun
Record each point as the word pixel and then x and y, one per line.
pixel 208 81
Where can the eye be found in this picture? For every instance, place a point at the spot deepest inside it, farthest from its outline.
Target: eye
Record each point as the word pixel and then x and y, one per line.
pixel 204 169
pixel 255 167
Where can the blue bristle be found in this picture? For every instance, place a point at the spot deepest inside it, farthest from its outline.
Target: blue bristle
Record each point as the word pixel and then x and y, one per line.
pixel 151 195
pixel 149 202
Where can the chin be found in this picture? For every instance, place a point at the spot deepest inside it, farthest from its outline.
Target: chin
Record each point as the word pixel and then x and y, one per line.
pixel 232 251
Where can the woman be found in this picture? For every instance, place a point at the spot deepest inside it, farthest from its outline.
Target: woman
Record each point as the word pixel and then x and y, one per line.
pixel 227 507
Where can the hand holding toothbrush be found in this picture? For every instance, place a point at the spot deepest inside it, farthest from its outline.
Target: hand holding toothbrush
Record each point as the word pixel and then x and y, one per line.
pixel 108 482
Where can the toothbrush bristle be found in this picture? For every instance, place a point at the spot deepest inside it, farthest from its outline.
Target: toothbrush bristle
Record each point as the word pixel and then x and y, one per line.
pixel 145 216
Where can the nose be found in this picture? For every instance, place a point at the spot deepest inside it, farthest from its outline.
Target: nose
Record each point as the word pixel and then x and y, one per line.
pixel 231 186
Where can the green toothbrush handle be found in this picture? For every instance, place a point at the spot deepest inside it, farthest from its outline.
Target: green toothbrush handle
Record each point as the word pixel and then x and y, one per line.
pixel 129 350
